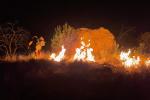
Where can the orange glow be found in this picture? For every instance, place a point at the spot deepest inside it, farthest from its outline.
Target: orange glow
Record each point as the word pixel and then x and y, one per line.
pixel 99 46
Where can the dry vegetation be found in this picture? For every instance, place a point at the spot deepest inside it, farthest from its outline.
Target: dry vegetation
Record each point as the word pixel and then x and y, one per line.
pixel 27 73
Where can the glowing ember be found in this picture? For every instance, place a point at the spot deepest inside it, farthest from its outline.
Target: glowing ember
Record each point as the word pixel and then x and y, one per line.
pixel 147 62
pixel 84 53
pixel 128 61
pixel 60 55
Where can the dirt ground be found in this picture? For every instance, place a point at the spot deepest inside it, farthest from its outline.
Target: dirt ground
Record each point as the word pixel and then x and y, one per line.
pixel 45 80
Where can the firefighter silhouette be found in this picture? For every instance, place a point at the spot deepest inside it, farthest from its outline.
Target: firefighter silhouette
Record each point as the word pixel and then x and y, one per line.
pixel 40 43
pixel 37 43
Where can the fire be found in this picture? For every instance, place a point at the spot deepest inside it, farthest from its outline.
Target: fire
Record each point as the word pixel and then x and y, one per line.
pixel 147 62
pixel 60 56
pixel 128 61
pixel 84 53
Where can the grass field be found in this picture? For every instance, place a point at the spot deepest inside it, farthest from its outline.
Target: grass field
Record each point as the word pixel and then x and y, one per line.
pixel 46 80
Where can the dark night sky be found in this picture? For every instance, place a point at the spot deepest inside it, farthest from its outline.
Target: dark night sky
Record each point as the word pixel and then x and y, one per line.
pixel 44 16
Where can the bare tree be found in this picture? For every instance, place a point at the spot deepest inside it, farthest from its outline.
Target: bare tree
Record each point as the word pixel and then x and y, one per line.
pixel 12 38
pixel 124 36
pixel 144 42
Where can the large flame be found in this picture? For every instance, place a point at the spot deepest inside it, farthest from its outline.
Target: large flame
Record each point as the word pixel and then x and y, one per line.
pixel 128 61
pixel 84 53
pixel 60 55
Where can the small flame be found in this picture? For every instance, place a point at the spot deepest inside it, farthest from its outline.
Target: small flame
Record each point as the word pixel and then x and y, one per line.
pixel 84 53
pixel 60 55
pixel 128 61
pixel 147 62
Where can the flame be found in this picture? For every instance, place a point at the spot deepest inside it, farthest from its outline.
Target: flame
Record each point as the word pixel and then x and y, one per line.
pixel 128 61
pixel 60 55
pixel 84 53
pixel 147 62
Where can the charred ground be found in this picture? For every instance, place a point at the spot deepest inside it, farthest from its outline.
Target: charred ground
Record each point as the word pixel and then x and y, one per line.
pixel 45 80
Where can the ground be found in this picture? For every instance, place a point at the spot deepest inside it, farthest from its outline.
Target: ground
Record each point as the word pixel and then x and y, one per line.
pixel 45 80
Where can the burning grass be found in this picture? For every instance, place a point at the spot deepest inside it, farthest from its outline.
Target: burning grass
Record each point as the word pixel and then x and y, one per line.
pixel 93 45
pixel 81 45
pixel 83 63
pixel 125 60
